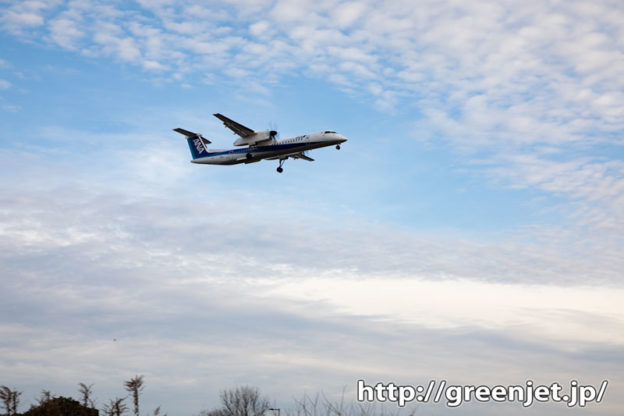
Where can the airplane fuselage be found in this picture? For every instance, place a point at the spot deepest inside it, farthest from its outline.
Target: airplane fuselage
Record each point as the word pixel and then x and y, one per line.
pixel 272 150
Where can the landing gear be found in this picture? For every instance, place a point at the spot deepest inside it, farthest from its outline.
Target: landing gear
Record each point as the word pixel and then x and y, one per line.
pixel 281 162
pixel 337 147
pixel 248 156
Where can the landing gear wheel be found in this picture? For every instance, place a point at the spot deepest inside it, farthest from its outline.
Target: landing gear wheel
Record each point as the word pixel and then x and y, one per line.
pixel 337 147
pixel 281 162
pixel 248 156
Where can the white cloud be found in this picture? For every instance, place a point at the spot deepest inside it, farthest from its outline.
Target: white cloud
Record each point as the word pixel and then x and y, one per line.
pixel 64 32
pixel 347 14
pixel 504 52
pixel 22 16
pixel 539 312
pixel 12 108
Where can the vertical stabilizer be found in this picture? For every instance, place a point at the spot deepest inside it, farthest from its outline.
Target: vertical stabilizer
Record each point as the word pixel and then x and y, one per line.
pixel 197 143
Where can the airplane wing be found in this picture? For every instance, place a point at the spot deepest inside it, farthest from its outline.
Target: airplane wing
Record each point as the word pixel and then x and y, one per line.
pixel 302 156
pixel 298 155
pixel 237 128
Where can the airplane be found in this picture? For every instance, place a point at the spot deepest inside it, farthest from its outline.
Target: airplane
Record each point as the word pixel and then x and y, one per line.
pixel 259 145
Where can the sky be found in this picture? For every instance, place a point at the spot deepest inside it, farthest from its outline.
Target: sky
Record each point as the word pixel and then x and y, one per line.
pixel 470 230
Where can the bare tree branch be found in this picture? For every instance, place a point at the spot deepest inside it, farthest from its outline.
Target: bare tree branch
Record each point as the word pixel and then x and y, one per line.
pixel 85 393
pixel 244 401
pixel 115 407
pixel 45 397
pixel 10 400
pixel 135 386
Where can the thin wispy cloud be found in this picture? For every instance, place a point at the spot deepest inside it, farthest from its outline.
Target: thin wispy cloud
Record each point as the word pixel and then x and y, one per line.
pixel 533 78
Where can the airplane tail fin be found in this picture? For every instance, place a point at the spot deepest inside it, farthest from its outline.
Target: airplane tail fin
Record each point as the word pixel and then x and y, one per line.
pixel 197 143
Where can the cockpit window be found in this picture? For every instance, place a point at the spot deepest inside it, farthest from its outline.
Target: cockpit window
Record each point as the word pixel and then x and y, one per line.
pixel 328 131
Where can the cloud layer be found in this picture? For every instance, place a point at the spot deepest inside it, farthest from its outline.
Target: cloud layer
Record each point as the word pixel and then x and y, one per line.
pixel 534 90
pixel 99 286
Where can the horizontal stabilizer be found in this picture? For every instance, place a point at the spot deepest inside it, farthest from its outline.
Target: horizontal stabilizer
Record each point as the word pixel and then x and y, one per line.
pixel 191 135
pixel 186 132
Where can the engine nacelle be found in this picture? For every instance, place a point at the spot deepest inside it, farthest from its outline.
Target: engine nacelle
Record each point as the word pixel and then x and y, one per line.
pixel 259 137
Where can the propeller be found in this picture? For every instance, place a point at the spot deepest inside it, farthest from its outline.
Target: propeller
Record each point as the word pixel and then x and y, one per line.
pixel 273 131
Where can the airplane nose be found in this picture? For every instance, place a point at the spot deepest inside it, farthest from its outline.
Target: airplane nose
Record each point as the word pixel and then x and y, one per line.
pixel 335 138
pixel 339 140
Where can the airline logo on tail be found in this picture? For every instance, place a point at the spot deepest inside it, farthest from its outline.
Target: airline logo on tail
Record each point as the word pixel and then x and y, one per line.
pixel 199 146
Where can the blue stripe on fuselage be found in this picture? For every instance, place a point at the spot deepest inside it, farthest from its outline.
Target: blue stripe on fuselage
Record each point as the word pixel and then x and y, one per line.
pixel 260 149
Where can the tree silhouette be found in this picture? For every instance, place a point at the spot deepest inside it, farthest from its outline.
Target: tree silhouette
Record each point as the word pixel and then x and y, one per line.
pixel 10 400
pixel 243 401
pixel 46 396
pixel 85 394
pixel 115 407
pixel 135 386
pixel 60 406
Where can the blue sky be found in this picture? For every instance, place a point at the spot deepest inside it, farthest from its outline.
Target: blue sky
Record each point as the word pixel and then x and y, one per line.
pixel 475 214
